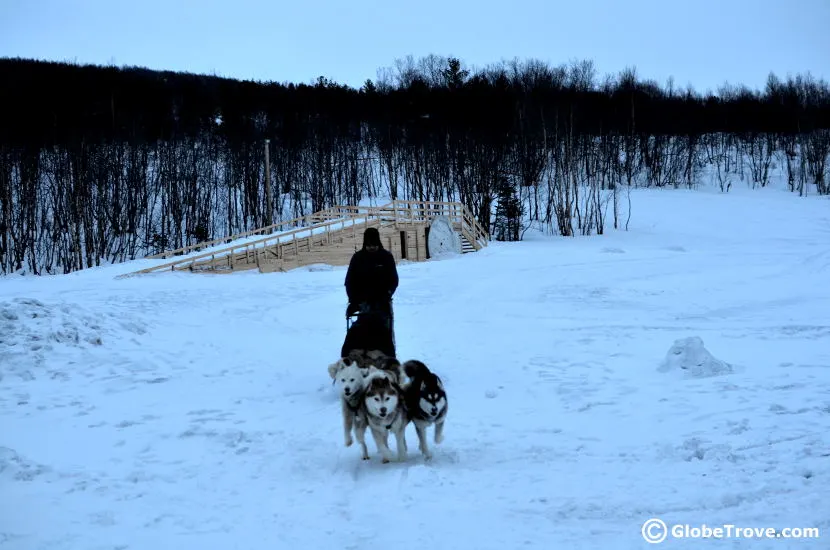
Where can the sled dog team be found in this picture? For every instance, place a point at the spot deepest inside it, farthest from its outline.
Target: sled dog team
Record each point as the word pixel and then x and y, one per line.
pixel 381 393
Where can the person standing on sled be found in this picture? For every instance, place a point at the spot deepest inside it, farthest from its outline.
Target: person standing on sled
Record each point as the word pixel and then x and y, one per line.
pixel 371 280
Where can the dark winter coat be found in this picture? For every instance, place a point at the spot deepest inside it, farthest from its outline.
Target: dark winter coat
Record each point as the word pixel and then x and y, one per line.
pixel 371 331
pixel 372 275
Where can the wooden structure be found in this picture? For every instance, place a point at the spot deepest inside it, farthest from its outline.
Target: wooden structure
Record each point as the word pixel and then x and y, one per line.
pixel 330 237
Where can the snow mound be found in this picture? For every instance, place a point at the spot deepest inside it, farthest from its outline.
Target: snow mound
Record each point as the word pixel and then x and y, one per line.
pixel 14 467
pixel 697 449
pixel 31 329
pixel 690 356
pixel 443 241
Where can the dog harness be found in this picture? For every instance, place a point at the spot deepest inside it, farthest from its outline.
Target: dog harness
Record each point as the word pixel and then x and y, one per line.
pixel 354 408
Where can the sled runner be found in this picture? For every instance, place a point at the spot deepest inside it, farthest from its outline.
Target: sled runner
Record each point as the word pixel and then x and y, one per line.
pixel 370 326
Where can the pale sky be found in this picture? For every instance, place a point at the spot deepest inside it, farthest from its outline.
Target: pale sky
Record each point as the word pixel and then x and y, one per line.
pixel 704 43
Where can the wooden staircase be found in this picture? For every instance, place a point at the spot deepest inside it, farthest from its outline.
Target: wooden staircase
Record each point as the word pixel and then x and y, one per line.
pixel 467 246
pixel 330 237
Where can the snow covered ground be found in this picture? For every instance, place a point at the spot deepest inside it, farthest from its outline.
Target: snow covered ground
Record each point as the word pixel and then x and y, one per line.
pixel 194 411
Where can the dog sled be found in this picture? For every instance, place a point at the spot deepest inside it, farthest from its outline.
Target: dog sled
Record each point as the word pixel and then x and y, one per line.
pixel 370 326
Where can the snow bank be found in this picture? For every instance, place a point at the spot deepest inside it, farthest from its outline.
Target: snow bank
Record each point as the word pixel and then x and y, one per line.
pixel 31 330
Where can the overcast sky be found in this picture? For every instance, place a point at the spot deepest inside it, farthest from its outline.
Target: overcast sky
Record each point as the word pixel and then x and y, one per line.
pixel 699 42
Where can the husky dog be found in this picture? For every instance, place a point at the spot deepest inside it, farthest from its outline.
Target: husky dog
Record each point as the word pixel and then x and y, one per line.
pixel 350 381
pixel 426 403
pixel 382 411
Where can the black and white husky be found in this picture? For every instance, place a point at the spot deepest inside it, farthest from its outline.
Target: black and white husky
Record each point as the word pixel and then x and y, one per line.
pixel 382 411
pixel 426 403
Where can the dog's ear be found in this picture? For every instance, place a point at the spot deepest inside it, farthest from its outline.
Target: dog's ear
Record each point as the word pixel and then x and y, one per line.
pixel 414 368
pixel 377 383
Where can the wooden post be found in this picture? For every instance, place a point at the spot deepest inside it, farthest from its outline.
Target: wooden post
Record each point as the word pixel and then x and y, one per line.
pixel 269 203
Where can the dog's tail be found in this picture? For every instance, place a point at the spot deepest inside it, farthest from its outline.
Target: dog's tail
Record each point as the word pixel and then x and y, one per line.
pixel 414 368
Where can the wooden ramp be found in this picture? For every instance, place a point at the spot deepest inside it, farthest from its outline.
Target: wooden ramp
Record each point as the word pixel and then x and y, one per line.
pixel 329 237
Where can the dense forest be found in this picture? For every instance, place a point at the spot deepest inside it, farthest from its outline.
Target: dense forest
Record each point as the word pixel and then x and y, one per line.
pixel 105 164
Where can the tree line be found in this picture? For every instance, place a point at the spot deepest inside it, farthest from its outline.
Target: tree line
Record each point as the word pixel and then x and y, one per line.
pixel 103 164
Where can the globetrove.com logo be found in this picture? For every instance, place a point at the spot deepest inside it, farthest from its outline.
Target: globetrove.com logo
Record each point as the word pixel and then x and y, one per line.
pixel 656 530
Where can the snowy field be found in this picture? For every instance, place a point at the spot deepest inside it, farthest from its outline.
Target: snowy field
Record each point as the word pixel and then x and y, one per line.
pixel 188 411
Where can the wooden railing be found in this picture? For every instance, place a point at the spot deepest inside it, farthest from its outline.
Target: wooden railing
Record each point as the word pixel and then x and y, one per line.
pixel 254 256
pixel 324 224
pixel 458 214
pixel 335 212
pixel 246 248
